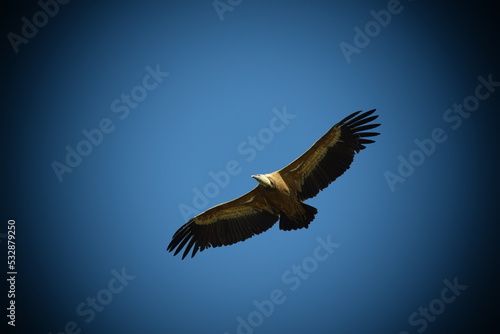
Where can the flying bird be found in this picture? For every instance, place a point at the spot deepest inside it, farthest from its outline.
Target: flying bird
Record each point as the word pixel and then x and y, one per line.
pixel 279 195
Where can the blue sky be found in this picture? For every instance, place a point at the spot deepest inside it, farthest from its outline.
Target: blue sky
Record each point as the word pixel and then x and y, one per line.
pixel 116 115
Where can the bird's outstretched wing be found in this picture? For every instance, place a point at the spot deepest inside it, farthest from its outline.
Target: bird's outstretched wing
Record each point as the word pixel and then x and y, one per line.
pixel 330 156
pixel 225 224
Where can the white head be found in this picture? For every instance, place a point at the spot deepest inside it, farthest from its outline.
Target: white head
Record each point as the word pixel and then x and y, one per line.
pixel 264 180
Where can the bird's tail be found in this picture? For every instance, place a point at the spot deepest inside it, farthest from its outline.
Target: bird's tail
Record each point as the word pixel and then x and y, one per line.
pixel 288 224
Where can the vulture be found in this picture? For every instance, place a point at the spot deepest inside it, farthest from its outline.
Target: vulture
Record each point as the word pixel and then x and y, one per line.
pixel 279 195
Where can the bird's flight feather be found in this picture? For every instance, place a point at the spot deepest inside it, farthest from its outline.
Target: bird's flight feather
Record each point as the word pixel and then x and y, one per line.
pixel 254 213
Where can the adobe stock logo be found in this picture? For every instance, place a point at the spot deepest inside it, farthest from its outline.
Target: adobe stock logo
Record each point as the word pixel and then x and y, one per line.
pixel 89 308
pixel 293 277
pixel 119 106
pixel 29 29
pixel 372 29
pixel 436 306
pixel 222 6
pixel 250 147
pixel 455 117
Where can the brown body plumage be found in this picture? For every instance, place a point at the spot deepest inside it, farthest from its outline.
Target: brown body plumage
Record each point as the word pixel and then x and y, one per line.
pixel 279 195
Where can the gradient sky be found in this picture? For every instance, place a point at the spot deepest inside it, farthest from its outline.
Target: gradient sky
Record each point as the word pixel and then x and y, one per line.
pixel 117 116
